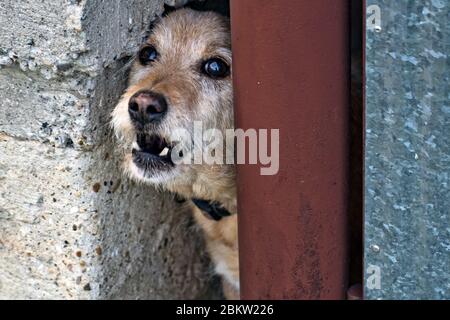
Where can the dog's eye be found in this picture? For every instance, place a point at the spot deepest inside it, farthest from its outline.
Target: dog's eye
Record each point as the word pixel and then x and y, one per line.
pixel 147 55
pixel 216 68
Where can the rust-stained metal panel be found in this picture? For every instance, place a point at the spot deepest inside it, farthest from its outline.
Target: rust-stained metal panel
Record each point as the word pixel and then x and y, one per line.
pixel 291 71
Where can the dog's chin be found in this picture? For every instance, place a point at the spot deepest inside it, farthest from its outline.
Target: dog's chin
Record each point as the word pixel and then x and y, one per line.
pixel 154 177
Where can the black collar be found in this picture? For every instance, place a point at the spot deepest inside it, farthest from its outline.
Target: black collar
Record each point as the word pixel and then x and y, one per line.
pixel 212 209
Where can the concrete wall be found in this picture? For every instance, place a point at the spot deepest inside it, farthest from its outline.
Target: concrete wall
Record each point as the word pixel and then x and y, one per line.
pixel 70 225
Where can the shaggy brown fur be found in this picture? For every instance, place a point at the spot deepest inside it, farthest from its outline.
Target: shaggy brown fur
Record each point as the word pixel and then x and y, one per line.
pixel 184 40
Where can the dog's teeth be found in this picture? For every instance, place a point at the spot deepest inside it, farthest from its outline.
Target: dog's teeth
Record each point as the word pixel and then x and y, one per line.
pixel 165 152
pixel 136 146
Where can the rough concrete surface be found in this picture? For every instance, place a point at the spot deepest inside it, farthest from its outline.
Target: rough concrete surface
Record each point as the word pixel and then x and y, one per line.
pixel 71 227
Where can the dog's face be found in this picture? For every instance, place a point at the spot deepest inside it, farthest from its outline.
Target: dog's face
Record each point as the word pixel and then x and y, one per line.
pixel 181 75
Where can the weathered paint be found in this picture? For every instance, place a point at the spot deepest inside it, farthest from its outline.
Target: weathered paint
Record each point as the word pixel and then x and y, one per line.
pixel 291 71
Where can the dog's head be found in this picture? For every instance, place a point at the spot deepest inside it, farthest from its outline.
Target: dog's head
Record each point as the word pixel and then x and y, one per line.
pixel 181 76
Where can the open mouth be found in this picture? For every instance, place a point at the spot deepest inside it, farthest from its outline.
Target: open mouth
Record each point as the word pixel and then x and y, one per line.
pixel 154 153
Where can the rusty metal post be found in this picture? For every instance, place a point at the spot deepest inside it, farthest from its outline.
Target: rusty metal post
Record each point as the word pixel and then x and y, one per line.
pixel 291 71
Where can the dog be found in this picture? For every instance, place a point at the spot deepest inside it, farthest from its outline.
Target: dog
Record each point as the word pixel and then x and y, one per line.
pixel 182 74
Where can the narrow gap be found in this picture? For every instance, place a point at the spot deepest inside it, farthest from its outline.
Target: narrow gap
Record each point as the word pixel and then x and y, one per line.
pixel 356 146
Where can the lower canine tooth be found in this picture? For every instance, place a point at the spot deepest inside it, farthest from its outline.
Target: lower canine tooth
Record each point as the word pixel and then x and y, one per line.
pixel 136 146
pixel 165 152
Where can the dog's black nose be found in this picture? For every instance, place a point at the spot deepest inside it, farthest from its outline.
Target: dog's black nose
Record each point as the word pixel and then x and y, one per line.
pixel 147 106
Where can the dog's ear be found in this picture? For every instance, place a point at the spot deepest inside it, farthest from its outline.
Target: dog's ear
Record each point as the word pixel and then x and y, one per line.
pixel 221 7
pixel 168 10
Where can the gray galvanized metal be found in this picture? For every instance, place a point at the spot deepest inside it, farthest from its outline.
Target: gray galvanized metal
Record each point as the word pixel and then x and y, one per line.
pixel 407 188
